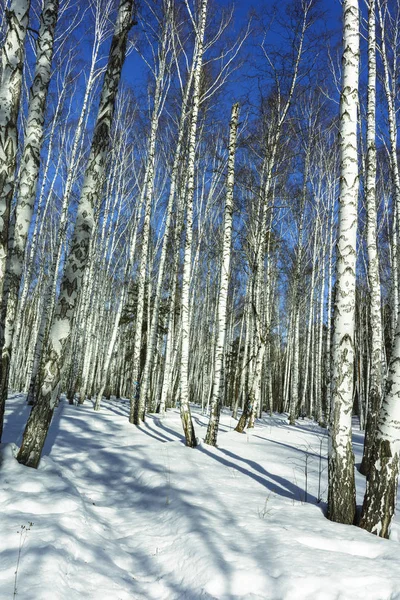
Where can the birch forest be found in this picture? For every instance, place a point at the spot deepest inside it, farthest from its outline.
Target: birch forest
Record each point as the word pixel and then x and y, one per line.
pixel 200 206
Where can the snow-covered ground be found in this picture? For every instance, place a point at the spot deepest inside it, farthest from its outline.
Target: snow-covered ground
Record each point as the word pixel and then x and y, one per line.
pixel 116 512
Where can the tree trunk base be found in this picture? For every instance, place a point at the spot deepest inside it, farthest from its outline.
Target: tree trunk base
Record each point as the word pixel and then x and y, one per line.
pixel 35 433
pixel 381 493
pixel 342 492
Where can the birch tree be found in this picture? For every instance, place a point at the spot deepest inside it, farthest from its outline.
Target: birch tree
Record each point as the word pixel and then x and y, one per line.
pixel 217 384
pixel 341 487
pixel 39 420
pixel 376 362
pixel 26 192
pixel 382 479
pixel 12 61
pixel 101 11
pixel 299 259
pixel 186 418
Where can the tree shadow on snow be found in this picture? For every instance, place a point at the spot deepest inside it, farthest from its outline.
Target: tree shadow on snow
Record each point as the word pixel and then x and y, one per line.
pixel 302 450
pixel 276 484
pixel 113 478
pixel 15 418
pixel 159 422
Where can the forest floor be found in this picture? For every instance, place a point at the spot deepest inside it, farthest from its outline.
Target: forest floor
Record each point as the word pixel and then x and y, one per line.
pixel 116 512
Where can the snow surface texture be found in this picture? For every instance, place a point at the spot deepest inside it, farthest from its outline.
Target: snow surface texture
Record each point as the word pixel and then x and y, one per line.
pixel 119 513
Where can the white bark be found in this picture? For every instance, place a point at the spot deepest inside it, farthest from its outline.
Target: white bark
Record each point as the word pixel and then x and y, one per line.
pixel 12 60
pixel 185 299
pixel 341 492
pixel 73 162
pixel 381 491
pixel 217 388
pixel 376 362
pixel 40 417
pixel 28 177
pixel 110 349
pixel 310 325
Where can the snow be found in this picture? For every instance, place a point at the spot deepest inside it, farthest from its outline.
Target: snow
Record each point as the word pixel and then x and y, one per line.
pixel 117 512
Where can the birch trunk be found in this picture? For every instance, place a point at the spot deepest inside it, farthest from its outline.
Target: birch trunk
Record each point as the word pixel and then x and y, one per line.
pixel 394 269
pixel 42 207
pixel 137 409
pixel 236 374
pixel 110 350
pixel 328 354
pixel 252 397
pixel 185 300
pixel 341 487
pixel 295 383
pixel 376 362
pixel 39 420
pixel 217 393
pixel 26 193
pixel 310 320
pixel 381 491
pixel 12 61
pixel 50 294
pixel 318 367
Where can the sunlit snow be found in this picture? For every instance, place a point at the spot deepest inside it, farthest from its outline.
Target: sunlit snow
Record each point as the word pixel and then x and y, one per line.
pixel 116 512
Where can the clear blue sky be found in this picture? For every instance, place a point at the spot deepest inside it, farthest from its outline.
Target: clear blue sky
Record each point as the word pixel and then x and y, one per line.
pixel 136 71
pixel 333 8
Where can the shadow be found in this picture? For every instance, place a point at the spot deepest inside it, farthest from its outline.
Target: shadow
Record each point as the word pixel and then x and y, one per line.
pixel 15 418
pixel 280 480
pixel 198 421
pixel 221 427
pixel 113 409
pixel 55 428
pixel 314 429
pixel 114 481
pixel 274 483
pixel 299 449
pixel 159 422
pixel 156 435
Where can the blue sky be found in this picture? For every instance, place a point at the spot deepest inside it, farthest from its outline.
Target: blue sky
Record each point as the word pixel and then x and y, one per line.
pixel 332 7
pixel 135 69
